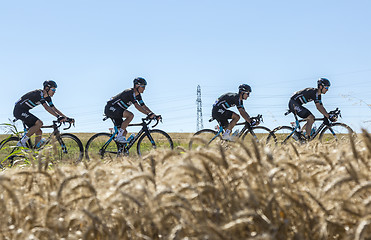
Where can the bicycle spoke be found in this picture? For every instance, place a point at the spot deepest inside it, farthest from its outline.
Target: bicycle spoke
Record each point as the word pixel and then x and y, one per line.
pixel 99 147
pixel 259 134
pixel 283 135
pixel 337 132
pixel 69 149
pixel 161 140
pixel 203 138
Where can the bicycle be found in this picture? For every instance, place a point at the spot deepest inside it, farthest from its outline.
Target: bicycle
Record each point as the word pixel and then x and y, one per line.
pixel 104 145
pixel 327 131
pixel 209 137
pixel 69 147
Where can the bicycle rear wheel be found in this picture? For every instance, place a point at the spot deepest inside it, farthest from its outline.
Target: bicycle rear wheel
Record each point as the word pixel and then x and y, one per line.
pixel 161 139
pixel 258 134
pixel 98 146
pixel 10 153
pixel 69 148
pixel 336 132
pixel 281 135
pixel 203 138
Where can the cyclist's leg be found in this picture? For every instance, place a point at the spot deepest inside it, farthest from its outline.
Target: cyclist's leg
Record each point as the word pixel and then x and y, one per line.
pixel 31 121
pixel 128 118
pixel 235 118
pixel 218 115
pixel 115 114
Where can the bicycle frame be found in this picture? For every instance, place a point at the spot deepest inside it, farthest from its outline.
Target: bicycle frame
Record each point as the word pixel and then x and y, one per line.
pixel 297 127
pixel 55 133
pixel 125 147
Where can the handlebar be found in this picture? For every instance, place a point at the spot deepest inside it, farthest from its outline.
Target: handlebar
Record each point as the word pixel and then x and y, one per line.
pixel 335 112
pixel 58 124
pixel 148 120
pixel 258 118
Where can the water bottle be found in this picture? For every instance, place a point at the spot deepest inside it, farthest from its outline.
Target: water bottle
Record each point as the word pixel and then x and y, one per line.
pixel 314 129
pixel 235 134
pixel 130 138
pixel 40 143
pixel 295 136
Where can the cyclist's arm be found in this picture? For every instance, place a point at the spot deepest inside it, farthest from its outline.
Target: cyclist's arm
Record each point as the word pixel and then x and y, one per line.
pixel 322 110
pixel 50 110
pixel 142 108
pixel 59 112
pixel 244 114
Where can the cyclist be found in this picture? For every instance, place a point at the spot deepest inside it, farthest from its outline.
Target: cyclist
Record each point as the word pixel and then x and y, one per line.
pixel 307 95
pixel 116 107
pixel 31 100
pixel 221 113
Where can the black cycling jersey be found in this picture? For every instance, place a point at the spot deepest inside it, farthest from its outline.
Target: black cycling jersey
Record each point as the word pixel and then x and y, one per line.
pixel 307 95
pixel 32 99
pixel 228 100
pixel 124 99
pixel 118 104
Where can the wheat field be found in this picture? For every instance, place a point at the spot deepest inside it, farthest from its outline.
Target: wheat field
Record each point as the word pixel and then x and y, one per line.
pixel 231 191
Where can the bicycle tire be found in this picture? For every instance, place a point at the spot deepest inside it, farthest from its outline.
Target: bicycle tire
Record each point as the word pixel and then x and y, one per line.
pixel 95 144
pixel 280 135
pixel 341 131
pixel 203 138
pixel 162 140
pixel 258 134
pixel 9 153
pixel 69 148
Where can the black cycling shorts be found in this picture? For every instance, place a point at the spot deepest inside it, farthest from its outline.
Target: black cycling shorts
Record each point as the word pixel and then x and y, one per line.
pixel 115 114
pixel 23 114
pixel 297 108
pixel 222 116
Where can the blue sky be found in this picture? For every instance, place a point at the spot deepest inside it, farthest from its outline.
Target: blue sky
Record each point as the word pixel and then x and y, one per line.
pixel 94 49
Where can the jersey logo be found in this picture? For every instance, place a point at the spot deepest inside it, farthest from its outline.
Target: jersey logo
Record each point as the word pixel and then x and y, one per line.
pixel 221 111
pixel 112 109
pixel 25 115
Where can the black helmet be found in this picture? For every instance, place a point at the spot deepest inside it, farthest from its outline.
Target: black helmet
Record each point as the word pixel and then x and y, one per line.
pixel 140 81
pixel 323 82
pixel 244 88
pixel 50 84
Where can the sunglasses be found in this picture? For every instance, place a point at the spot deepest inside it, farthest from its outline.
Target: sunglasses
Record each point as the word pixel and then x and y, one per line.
pixel 326 87
pixel 53 89
pixel 143 86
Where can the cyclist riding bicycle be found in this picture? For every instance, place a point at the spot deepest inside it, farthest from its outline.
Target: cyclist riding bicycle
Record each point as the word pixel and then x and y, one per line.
pixel 307 95
pixel 221 113
pixel 116 108
pixel 31 100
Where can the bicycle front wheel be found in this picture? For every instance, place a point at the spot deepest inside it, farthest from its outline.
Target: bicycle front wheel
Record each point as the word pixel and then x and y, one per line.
pixel 160 140
pixel 101 146
pixel 336 132
pixel 9 153
pixel 69 148
pixel 258 134
pixel 281 135
pixel 203 138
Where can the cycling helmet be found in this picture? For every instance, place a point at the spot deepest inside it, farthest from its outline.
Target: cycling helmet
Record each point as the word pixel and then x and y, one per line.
pixel 140 81
pixel 323 82
pixel 50 84
pixel 244 88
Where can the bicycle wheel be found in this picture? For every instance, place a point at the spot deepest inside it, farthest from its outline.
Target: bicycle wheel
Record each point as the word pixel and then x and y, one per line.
pixel 97 147
pixel 281 135
pixel 336 132
pixel 161 139
pixel 69 148
pixel 258 134
pixel 203 138
pixel 9 153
